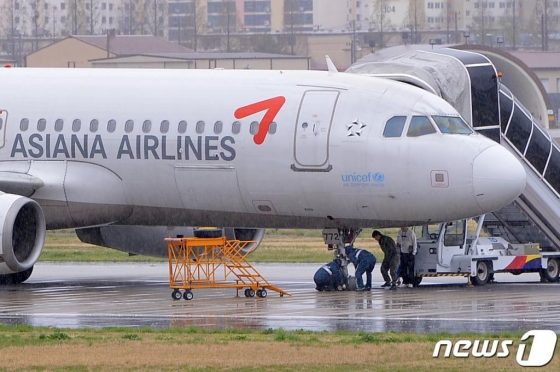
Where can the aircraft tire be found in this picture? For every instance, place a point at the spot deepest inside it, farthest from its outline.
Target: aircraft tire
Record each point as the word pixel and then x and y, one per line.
pixel 552 272
pixel 208 233
pixel 483 272
pixel 16 278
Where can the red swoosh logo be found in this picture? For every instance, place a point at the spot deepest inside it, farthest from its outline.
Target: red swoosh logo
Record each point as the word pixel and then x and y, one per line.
pixel 272 107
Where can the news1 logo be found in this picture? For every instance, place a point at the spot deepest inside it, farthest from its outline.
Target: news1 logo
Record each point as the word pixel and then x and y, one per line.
pixel 539 354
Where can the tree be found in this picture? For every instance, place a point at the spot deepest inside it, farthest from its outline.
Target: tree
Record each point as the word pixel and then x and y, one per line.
pixel 93 13
pixel 293 19
pixel 76 17
pixel 416 18
pixel 510 23
pixel 156 14
pixel 196 22
pixel 225 22
pixel 380 19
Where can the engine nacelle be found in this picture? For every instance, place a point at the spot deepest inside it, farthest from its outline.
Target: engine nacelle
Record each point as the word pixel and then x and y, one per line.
pixel 149 240
pixel 22 233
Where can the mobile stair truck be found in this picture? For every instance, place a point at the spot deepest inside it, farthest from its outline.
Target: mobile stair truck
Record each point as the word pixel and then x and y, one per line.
pixel 448 249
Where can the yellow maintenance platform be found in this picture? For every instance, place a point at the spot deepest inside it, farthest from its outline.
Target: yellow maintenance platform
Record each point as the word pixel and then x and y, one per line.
pixel 196 263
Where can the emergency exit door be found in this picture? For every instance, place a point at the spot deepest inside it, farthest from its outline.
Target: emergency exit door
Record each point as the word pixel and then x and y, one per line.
pixel 311 143
pixel 3 120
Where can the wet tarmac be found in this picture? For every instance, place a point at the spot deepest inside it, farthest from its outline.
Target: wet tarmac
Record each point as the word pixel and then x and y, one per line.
pixel 136 295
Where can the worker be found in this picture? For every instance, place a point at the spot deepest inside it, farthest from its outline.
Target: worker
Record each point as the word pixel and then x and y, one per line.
pixel 391 259
pixel 406 242
pixel 364 262
pixel 329 277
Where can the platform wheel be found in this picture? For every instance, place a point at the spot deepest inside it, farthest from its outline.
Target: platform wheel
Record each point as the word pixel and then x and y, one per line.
pixel 552 271
pixel 176 294
pixel 259 293
pixel 483 273
pixel 247 292
pixel 263 293
pixel 251 292
pixel 188 295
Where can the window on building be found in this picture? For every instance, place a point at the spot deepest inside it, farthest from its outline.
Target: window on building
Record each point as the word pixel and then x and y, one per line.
pixel 62 6
pixel 103 6
pixel 544 82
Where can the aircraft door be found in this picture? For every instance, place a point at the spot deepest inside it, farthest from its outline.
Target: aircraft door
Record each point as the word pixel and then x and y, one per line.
pixel 311 142
pixel 3 120
pixel 452 242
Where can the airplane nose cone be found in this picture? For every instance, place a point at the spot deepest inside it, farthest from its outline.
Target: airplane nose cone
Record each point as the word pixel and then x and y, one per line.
pixel 498 178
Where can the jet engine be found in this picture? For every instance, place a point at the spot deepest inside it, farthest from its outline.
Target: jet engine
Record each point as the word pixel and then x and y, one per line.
pixel 149 240
pixel 22 237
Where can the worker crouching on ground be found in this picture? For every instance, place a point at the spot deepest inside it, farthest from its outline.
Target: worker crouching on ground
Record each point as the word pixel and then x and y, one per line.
pixel 364 262
pixel 391 260
pixel 329 277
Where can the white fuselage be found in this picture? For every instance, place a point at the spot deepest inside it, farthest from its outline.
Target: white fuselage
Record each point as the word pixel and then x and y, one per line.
pixel 324 162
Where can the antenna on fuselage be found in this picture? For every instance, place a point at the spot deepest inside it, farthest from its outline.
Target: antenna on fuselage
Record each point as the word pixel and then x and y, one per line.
pixel 330 65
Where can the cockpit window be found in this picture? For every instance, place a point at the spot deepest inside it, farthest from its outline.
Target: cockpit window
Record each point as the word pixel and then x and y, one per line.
pixel 420 126
pixel 394 126
pixel 451 125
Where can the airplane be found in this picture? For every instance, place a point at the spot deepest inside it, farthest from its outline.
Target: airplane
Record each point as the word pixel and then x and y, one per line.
pixel 128 157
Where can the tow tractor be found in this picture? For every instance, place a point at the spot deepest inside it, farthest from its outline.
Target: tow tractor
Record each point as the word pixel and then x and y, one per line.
pixel 448 249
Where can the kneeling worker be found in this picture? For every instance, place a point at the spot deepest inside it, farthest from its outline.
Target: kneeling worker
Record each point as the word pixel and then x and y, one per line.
pixel 364 262
pixel 329 277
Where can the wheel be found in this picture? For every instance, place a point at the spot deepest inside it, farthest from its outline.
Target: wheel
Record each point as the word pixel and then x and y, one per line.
pixel 188 295
pixel 247 292
pixel 176 294
pixel 16 278
pixel 550 274
pixel 259 293
pixel 416 281
pixel 264 293
pixel 208 233
pixel 483 272
pixel 251 293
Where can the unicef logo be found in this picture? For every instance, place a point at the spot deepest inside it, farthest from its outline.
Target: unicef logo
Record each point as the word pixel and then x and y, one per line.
pixel 379 177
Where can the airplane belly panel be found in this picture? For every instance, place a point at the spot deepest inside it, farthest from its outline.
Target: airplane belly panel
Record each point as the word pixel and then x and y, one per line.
pixel 213 188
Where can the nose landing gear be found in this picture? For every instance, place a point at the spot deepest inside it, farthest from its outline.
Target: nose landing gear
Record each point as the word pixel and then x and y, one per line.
pixel 337 239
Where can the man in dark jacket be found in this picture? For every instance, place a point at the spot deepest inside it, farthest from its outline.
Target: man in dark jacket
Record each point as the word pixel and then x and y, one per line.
pixel 329 277
pixel 364 262
pixel 391 260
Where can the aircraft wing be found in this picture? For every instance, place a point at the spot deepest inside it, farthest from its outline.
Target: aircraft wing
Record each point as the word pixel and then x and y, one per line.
pixel 19 183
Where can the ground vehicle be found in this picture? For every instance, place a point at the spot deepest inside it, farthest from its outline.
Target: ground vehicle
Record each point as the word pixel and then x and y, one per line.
pixel 448 249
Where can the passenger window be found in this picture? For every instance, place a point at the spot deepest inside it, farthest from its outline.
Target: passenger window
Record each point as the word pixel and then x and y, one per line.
pixel 41 125
pixel 519 129
pixel 538 150
pixel 93 125
pixel 164 127
pixel 272 128
pixel 451 125
pixel 24 125
pixel 76 125
pixel 200 127
pixel 420 126
pixel 394 126
pixel 182 126
pixel 254 128
pixel 129 126
pixel 552 174
pixel 147 126
pixel 111 126
pixel 218 127
pixel 236 127
pixel 58 125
